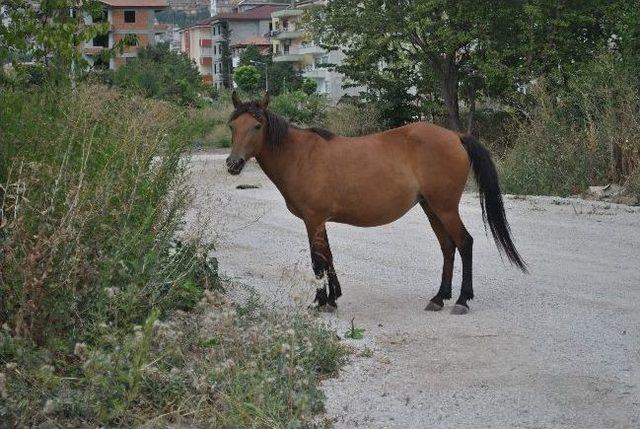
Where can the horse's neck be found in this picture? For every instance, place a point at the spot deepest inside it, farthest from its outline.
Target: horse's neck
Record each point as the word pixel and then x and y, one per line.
pixel 278 162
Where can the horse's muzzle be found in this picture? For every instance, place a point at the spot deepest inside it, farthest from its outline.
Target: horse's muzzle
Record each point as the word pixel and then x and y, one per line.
pixel 235 164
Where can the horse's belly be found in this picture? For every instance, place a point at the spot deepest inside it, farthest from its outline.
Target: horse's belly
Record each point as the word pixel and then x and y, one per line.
pixel 374 211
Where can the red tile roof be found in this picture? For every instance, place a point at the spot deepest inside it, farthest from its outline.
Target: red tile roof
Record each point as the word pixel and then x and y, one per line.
pixel 259 13
pixel 203 23
pixel 136 3
pixel 255 14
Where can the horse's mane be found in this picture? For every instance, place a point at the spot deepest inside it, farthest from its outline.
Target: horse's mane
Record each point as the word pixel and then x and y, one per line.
pixel 277 126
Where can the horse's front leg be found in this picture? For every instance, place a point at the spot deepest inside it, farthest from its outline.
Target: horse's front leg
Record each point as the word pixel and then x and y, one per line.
pixel 322 263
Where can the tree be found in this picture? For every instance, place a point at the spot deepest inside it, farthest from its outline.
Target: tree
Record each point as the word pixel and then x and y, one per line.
pixel 281 76
pixel 49 34
pixel 458 49
pixel 247 78
pixel 227 63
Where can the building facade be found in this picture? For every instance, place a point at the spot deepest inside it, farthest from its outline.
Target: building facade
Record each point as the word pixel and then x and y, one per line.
pixel 291 43
pixel 135 18
pixel 205 42
pixel 196 43
pixel 249 24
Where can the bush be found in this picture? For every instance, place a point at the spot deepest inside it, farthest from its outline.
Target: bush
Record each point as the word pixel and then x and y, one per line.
pixel 585 135
pixel 299 107
pixel 353 119
pixel 162 74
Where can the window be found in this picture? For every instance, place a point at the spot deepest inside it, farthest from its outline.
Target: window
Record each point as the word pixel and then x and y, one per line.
pixel 102 40
pixel 129 16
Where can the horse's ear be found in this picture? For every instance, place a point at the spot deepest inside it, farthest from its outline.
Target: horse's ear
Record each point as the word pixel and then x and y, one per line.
pixel 235 99
pixel 265 100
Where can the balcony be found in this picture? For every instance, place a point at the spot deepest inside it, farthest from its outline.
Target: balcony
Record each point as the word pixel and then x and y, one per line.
pixel 205 43
pixel 316 73
pixel 286 34
pixel 205 61
pixel 311 49
pixel 288 58
pixel 286 13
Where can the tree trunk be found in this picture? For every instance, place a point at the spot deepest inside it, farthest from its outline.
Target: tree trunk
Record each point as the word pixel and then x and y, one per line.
pixel 450 94
pixel 472 109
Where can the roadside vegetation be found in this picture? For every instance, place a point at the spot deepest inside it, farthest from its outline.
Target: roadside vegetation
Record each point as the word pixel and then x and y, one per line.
pixel 109 318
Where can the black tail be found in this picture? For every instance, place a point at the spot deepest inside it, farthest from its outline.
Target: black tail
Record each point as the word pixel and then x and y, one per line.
pixel 491 199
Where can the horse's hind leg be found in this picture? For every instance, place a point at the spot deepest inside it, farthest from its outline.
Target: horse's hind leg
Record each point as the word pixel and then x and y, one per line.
pixel 464 242
pixel 448 253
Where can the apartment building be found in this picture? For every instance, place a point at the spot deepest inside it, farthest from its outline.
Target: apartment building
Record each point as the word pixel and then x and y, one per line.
pixel 291 43
pixel 204 42
pixel 127 17
pixel 196 43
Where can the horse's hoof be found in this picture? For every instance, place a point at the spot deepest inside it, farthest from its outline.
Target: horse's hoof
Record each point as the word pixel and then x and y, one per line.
pixel 459 309
pixel 432 306
pixel 327 308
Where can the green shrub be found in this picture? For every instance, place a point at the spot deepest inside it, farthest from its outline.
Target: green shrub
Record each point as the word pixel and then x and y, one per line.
pixel 299 107
pixel 309 86
pixel 162 74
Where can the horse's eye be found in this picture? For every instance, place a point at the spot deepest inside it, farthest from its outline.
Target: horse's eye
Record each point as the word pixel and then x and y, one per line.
pixel 258 126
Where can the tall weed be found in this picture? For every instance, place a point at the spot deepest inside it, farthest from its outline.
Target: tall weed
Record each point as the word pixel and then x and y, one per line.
pixel 93 192
pixel 584 135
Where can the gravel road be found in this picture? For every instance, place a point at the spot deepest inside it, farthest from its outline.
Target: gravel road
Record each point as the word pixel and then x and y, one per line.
pixel 559 347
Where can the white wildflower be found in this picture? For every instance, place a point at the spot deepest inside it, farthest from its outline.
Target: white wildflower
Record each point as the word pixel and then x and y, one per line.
pixel 49 407
pixel 111 291
pixel 291 332
pixel 285 347
pixel 11 366
pixel 47 368
pixel 80 350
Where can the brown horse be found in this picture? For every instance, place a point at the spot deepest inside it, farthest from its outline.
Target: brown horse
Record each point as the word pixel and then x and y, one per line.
pixel 373 180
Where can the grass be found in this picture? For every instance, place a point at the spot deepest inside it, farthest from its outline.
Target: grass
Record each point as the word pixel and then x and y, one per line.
pixel 107 319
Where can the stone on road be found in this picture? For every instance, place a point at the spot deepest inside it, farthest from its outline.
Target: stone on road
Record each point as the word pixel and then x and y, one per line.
pixel 559 347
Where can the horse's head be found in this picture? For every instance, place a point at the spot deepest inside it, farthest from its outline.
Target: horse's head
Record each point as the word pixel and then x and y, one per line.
pixel 248 125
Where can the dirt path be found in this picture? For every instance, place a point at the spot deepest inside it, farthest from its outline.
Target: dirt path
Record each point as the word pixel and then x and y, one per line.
pixel 557 348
